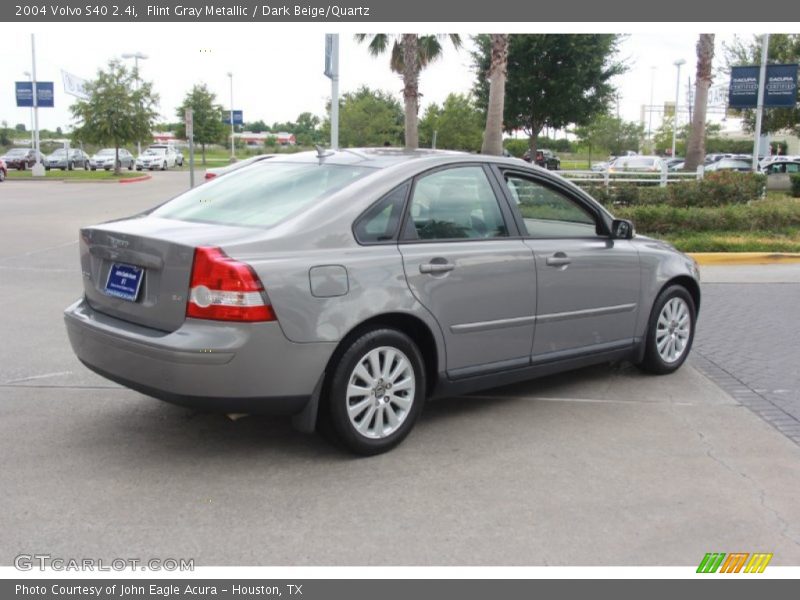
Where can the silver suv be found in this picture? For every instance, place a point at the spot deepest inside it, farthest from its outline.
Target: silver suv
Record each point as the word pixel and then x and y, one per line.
pixel 348 287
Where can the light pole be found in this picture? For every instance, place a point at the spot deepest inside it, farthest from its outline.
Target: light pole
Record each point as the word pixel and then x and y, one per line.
pixel 678 63
pixel 136 56
pixel 650 106
pixel 233 151
pixel 33 134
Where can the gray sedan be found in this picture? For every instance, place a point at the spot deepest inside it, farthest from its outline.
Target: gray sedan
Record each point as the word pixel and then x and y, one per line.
pixel 346 288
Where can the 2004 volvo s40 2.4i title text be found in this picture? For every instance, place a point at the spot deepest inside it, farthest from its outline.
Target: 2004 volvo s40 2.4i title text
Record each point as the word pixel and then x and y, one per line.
pixel 347 287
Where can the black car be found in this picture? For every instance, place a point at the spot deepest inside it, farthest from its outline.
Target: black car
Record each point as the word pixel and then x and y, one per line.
pixel 19 158
pixel 544 158
pixel 58 159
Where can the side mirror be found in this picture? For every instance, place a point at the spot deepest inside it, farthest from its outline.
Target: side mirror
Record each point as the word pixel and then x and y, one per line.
pixel 621 229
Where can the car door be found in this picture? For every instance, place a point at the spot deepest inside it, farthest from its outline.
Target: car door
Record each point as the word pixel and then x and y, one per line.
pixel 588 284
pixel 465 263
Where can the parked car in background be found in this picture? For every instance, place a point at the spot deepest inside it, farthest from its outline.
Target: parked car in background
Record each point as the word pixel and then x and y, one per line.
pixel 217 171
pixel 783 167
pixel 179 157
pixel 544 158
pixel 637 164
pixel 675 164
pixel 3 170
pixel 766 161
pixel 730 164
pixel 19 158
pixel 349 286
pixel 156 156
pixel 779 174
pixel 104 159
pixel 66 160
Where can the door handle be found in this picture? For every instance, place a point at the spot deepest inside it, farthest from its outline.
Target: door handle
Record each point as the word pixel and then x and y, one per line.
pixel 436 267
pixel 559 259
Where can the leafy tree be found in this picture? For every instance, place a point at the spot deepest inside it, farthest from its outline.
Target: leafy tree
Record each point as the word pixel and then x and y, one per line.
pixel 610 134
pixel 662 138
pixel 498 68
pixel 367 118
pixel 553 80
pixel 120 109
pixel 696 149
pixel 20 127
pixel 410 53
pixel 458 124
pixel 306 130
pixel 257 126
pixel 783 48
pixel 207 117
pixel 5 139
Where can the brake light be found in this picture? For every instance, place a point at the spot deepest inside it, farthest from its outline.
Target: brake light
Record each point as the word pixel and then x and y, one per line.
pixel 210 175
pixel 223 289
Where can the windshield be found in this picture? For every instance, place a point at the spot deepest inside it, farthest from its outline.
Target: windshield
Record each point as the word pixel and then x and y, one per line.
pixel 635 163
pixel 60 152
pixel 106 152
pixel 260 195
pixel 152 152
pixel 16 152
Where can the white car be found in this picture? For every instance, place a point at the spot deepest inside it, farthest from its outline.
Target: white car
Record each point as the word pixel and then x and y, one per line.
pixel 157 157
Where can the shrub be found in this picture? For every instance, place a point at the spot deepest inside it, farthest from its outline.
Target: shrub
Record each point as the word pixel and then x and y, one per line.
pixel 720 188
pixel 764 215
pixel 795 179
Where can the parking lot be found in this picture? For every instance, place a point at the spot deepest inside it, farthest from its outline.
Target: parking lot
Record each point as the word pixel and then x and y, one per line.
pixel 605 466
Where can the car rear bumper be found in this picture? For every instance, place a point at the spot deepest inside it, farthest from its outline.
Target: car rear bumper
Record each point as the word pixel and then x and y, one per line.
pixel 209 365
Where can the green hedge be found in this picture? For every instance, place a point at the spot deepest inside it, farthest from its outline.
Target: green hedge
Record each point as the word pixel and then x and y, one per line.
pixel 764 215
pixel 716 189
pixel 795 178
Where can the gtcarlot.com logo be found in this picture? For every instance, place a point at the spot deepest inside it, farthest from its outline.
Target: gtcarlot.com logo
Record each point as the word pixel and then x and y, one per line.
pixel 736 562
pixel 42 562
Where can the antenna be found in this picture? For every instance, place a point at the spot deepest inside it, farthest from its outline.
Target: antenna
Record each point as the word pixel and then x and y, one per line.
pixel 321 152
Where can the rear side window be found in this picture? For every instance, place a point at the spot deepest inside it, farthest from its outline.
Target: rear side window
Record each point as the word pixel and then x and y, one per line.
pixel 260 195
pixel 381 222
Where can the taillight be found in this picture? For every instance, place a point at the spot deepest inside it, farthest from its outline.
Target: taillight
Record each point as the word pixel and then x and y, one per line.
pixel 223 289
pixel 210 175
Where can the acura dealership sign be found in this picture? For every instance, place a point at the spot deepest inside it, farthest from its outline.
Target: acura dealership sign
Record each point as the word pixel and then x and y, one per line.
pixel 781 90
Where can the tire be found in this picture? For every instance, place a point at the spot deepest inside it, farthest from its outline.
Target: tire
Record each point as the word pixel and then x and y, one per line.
pixel 21 167
pixel 671 327
pixel 130 166
pixel 164 166
pixel 2 176
pixel 71 166
pixel 94 168
pixel 138 168
pixel 370 430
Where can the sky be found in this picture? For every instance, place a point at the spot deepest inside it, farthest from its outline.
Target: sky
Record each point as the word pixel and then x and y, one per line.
pixel 277 69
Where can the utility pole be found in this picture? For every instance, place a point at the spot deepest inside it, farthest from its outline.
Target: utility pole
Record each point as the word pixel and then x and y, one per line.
pixel 332 72
pixel 136 56
pixel 762 86
pixel 233 148
pixel 678 64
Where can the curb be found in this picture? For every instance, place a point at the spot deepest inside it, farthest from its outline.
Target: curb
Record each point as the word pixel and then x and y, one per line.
pixel 744 258
pixel 136 179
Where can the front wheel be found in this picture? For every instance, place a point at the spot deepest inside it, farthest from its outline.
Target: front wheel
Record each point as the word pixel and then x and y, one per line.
pixel 670 331
pixel 377 391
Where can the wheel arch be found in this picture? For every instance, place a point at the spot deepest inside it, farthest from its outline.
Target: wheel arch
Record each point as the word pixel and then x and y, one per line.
pixel 691 286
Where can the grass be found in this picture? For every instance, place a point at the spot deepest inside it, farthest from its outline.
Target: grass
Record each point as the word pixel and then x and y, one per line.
pixel 737 241
pixel 76 175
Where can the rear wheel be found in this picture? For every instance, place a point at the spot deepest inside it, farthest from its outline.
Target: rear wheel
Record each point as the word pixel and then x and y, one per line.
pixel 670 331
pixel 2 175
pixel 377 391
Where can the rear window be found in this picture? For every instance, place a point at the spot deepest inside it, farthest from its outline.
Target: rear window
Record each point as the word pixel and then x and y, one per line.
pixel 260 195
pixel 636 163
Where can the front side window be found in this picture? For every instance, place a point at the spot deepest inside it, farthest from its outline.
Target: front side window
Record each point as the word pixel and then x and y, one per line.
pixel 548 213
pixel 456 203
pixel 260 195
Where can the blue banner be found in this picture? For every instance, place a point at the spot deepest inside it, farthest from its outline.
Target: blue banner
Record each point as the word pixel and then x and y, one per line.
pixel 44 94
pixel 781 87
pixel 238 117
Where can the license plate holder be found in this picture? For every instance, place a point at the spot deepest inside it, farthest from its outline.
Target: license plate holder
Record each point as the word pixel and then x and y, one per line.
pixel 124 281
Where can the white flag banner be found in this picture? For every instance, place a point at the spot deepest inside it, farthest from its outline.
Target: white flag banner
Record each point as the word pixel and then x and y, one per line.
pixel 74 85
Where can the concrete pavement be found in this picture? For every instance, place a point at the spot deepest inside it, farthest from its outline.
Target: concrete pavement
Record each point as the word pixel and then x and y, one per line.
pixel 604 466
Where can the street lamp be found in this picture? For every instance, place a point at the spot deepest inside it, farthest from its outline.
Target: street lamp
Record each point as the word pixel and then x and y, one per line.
pixel 650 106
pixel 678 63
pixel 33 133
pixel 136 56
pixel 233 151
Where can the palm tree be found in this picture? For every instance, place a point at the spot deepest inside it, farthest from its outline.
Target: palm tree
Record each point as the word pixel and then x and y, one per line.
pixel 696 150
pixel 493 135
pixel 410 53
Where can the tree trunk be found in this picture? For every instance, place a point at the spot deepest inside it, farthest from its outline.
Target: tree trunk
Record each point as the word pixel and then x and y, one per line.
pixel 411 69
pixel 696 149
pixel 117 170
pixel 493 134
